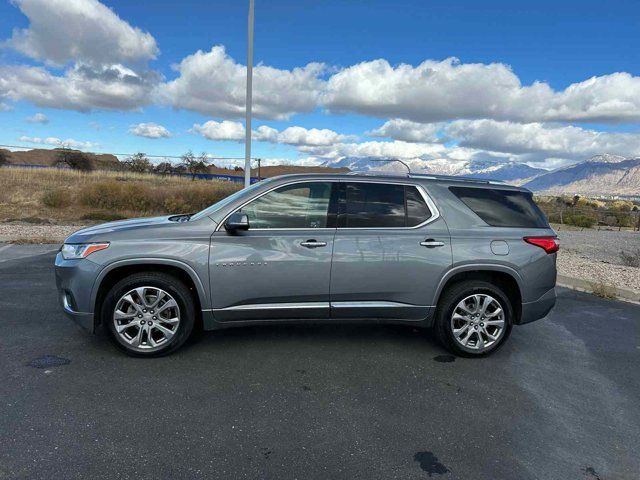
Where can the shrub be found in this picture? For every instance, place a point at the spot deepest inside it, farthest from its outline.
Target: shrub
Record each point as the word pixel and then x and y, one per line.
pixel 58 198
pixel 580 220
pixel 113 195
pixel 102 216
pixel 602 290
pixel 631 259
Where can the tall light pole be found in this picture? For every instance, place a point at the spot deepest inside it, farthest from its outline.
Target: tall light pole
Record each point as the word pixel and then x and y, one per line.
pixel 247 124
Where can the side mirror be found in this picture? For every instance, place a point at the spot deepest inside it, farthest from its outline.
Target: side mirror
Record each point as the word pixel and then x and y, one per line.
pixel 237 221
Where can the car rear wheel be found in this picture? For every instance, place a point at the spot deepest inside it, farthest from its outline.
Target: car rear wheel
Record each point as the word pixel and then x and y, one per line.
pixel 473 318
pixel 149 314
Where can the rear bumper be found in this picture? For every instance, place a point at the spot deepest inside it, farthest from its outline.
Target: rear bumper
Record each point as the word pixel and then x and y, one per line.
pixel 533 311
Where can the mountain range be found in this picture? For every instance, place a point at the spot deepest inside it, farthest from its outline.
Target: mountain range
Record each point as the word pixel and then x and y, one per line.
pixel 599 175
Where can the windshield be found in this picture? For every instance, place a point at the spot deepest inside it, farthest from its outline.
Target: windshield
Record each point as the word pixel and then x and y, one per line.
pixel 227 200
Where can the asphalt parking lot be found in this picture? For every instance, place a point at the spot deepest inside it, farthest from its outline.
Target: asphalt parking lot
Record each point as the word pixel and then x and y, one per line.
pixel 559 401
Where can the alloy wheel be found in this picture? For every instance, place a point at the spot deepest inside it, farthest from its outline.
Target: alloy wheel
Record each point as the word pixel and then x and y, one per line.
pixel 146 318
pixel 478 322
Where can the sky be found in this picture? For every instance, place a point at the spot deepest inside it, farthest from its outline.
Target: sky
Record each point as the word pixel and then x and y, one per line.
pixel 543 83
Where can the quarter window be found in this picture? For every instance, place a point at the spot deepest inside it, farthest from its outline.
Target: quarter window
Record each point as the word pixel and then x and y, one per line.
pixel 502 208
pixel 300 205
pixel 379 205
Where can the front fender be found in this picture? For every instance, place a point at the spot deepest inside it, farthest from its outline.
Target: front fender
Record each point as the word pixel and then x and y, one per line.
pixel 203 293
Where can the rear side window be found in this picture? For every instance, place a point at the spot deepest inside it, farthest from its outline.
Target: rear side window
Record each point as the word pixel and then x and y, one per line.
pixel 502 208
pixel 379 205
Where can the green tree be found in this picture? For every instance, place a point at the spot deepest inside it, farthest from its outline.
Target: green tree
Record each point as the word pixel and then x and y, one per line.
pixel 138 163
pixel 164 168
pixel 4 158
pixel 73 159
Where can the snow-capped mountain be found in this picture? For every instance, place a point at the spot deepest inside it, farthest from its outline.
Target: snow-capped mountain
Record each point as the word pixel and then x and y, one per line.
pixel 599 175
pixel 603 174
pixel 510 172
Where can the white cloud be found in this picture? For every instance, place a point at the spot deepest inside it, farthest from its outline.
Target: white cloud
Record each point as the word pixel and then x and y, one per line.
pixel 300 136
pixel 5 107
pixel 212 83
pixel 149 130
pixel 445 90
pixel 225 130
pixel 81 87
pixel 38 118
pixel 538 141
pixel 79 30
pixel 408 131
pixel 385 150
pixel 297 136
pixel 56 142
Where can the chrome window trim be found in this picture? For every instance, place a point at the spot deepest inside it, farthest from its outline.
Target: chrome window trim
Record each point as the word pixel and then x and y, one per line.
pixel 435 213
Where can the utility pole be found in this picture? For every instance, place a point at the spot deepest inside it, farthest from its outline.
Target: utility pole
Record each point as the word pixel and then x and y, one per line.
pixel 259 160
pixel 247 126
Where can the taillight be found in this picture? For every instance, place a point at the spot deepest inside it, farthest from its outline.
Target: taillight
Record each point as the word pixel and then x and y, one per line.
pixel 548 244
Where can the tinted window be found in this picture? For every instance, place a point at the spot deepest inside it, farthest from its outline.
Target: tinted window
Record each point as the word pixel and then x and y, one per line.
pixel 378 205
pixel 502 208
pixel 375 205
pixel 301 205
pixel 417 210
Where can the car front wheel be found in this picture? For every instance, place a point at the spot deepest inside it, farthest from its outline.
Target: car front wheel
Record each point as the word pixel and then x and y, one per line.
pixel 473 318
pixel 149 314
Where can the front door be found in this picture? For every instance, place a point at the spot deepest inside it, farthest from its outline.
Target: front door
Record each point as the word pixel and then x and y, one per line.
pixel 390 250
pixel 280 267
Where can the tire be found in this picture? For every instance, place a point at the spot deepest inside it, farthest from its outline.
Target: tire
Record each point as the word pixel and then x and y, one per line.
pixel 478 333
pixel 166 326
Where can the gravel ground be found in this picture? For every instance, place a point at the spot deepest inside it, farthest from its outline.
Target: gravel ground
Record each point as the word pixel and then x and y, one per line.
pixel 57 233
pixel 585 267
pixel 594 255
pixel 601 245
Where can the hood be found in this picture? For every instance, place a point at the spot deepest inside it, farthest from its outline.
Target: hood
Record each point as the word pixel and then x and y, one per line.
pixel 107 231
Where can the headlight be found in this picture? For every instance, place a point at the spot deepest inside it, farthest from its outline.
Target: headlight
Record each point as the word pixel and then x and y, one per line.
pixel 81 250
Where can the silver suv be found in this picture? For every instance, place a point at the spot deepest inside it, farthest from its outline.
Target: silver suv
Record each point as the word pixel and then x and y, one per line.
pixel 469 258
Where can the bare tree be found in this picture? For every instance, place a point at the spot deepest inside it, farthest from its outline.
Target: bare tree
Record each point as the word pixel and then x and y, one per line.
pixel 138 163
pixel 194 165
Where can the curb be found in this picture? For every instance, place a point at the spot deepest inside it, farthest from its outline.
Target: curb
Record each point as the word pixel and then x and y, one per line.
pixel 581 285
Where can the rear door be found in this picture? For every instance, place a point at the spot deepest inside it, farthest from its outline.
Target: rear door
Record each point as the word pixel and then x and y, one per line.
pixel 280 267
pixel 391 249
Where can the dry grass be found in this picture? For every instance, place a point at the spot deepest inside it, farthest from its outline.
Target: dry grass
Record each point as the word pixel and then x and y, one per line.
pixel 602 290
pixel 66 195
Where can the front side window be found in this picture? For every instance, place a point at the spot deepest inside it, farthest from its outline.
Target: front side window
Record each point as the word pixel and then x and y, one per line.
pixel 300 205
pixel 379 205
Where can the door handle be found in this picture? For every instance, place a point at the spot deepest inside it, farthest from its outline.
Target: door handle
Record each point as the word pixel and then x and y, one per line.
pixel 313 244
pixel 431 243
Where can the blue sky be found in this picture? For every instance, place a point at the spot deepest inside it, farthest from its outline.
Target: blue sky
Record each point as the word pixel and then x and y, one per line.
pixel 94 85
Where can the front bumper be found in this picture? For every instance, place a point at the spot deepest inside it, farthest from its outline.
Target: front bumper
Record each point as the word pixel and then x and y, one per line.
pixel 533 311
pixel 75 280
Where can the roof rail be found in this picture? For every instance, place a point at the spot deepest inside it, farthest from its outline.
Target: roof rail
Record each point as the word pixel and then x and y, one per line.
pixel 453 178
